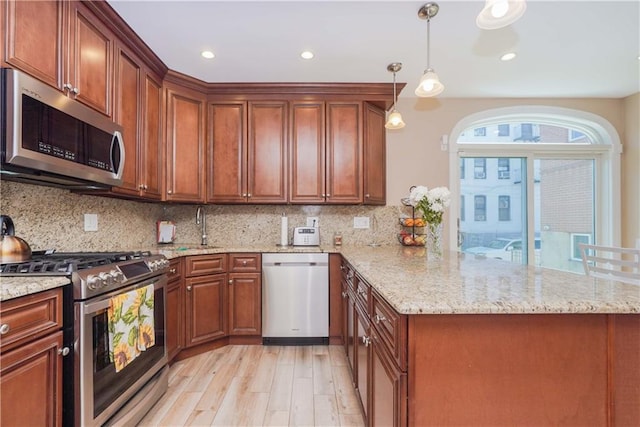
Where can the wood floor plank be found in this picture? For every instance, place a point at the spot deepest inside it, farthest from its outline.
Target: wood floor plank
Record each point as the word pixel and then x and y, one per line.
pixel 276 419
pixel 231 410
pixel 160 409
pixel 351 420
pixel 325 410
pixel 263 374
pixel 301 413
pixel 182 409
pixel 248 358
pixel 345 393
pixel 214 394
pixel 201 418
pixel 337 356
pixel 287 355
pixel 320 349
pixel 281 389
pixel 322 379
pixel 303 363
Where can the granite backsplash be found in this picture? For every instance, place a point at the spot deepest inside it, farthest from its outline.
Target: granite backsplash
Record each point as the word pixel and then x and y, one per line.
pixel 53 218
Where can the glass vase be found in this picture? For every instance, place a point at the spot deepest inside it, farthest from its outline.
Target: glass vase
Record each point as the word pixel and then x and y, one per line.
pixel 434 241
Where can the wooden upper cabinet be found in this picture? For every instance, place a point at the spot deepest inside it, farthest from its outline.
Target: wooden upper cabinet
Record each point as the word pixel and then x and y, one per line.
pixel 138 102
pixel 64 45
pixel 227 151
pixel 375 156
pixel 307 155
pixel 344 153
pixel 151 164
pixel 33 39
pixel 185 145
pixel 267 152
pixel 90 72
pixel 127 115
pixel 247 152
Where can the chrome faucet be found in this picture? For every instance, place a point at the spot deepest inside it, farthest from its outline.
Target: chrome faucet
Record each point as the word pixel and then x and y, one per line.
pixel 201 219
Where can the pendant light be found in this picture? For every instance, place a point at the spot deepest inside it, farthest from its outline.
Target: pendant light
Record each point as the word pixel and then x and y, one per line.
pixel 429 83
pixel 500 13
pixel 394 121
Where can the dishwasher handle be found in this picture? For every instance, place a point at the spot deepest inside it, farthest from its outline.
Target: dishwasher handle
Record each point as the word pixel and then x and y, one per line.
pixel 293 263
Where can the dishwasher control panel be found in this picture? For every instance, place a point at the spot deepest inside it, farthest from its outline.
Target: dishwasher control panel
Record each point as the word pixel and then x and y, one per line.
pixel 306 236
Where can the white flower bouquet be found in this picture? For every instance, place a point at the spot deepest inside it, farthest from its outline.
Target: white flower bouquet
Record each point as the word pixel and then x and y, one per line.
pixel 430 203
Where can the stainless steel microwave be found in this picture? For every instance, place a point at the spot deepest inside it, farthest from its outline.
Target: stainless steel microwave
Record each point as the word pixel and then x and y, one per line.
pixel 51 139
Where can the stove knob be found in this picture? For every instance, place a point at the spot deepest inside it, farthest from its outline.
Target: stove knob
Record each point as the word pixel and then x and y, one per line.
pixel 153 265
pixel 106 279
pixel 92 281
pixel 117 276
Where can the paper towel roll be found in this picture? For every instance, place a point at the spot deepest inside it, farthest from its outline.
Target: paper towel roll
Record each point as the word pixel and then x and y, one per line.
pixel 284 231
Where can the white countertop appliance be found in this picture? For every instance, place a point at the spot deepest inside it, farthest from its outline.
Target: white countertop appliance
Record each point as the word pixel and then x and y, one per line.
pixel 306 236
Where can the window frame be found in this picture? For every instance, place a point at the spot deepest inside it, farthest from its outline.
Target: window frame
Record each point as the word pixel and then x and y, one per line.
pixel 501 209
pixel 604 149
pixel 574 246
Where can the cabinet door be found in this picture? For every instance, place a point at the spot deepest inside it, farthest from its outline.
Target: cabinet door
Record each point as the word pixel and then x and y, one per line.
pixel 206 314
pixel 388 388
pixel 127 108
pixel 362 356
pixel 151 163
pixel 352 334
pixel 33 38
pixel 307 152
pixel 90 63
pixel 245 304
pixel 175 318
pixel 375 156
pixel 31 384
pixel 227 153
pixel 344 153
pixel 267 152
pixel 185 146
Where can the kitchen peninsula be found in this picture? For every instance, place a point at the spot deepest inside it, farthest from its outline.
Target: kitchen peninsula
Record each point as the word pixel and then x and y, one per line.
pixel 466 341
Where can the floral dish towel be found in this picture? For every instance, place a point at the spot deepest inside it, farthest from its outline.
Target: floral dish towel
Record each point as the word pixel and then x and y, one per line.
pixel 130 322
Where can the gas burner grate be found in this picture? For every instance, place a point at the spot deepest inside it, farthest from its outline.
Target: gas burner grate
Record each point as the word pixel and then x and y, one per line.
pixel 65 263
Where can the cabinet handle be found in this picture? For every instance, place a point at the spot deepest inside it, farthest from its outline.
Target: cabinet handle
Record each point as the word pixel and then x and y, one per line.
pixel 249 195
pixel 75 91
pixel 344 294
pixel 244 263
pixel 328 195
pixel 361 292
pixel 4 328
pixel 367 195
pixel 169 192
pixel 189 288
pixel 172 270
pixel 366 340
pixel 342 267
pixel 244 194
pixel 63 351
pixel 66 86
pixel 377 318
pixel 231 281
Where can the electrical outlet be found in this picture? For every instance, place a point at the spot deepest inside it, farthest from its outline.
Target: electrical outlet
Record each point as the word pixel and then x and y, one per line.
pixel 313 221
pixel 360 222
pixel 90 222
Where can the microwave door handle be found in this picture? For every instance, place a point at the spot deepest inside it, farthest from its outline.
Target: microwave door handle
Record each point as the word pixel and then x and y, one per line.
pixel 117 137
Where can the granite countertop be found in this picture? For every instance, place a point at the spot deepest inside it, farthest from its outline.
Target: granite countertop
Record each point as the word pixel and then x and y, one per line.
pixel 464 284
pixel 13 287
pixel 416 284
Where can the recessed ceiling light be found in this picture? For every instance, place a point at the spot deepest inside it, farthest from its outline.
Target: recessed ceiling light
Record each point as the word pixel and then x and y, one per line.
pixel 307 54
pixel 207 54
pixel 508 56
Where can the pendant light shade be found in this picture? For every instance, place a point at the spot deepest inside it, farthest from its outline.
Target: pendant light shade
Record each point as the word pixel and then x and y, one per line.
pixel 430 84
pixel 500 13
pixel 394 121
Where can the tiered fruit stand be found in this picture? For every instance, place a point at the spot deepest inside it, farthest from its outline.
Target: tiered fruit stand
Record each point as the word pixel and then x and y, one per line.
pixel 413 228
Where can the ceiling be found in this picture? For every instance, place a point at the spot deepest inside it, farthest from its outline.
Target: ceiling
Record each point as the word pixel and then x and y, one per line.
pixel 564 48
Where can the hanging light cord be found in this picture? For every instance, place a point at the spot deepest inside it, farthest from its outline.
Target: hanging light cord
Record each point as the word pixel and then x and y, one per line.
pixel 428 42
pixel 395 100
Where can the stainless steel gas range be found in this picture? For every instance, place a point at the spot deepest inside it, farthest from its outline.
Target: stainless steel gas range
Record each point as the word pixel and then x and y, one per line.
pixel 115 324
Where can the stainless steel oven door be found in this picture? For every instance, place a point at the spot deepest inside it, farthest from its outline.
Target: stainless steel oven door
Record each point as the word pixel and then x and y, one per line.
pixel 100 390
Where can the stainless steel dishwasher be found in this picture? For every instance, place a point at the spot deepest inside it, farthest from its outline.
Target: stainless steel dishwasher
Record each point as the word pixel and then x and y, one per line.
pixel 295 298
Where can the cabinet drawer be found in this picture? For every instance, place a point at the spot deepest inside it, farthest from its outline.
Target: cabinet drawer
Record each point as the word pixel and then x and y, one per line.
pixel 199 265
pixel 175 269
pixel 30 317
pixel 362 290
pixel 240 263
pixel 392 328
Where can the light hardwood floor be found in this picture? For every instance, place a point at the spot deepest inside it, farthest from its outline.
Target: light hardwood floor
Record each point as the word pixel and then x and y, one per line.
pixel 260 386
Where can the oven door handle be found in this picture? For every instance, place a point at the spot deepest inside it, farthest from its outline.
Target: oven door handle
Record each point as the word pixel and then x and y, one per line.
pixel 94 307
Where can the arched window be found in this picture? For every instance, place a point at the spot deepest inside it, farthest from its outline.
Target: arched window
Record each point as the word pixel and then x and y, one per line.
pixel 534 181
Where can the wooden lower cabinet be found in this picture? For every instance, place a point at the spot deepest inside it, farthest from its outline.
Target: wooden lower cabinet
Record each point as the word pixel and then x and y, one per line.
pixel 206 308
pixel 245 304
pixel 363 358
pixel 31 384
pixel 388 387
pixel 175 318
